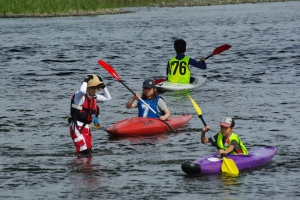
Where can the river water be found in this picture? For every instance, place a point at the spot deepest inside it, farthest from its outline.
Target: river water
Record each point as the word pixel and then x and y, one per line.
pixel 44 60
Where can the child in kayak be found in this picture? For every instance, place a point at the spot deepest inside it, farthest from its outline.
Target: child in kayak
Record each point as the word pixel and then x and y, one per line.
pixel 178 67
pixel 152 99
pixel 226 140
pixel 84 111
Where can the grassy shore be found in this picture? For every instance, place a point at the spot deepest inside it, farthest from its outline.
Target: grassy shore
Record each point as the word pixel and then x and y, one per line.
pixel 48 8
pixel 54 8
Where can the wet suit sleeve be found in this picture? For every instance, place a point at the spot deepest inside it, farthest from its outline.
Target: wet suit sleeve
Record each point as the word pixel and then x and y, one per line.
pixel 105 97
pixel 79 95
pixel 195 63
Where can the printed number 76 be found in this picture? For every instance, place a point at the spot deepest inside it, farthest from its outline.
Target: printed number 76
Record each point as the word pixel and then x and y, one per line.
pixel 182 67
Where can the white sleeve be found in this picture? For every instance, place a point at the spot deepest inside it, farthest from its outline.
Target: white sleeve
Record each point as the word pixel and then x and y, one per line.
pixel 79 97
pixel 105 97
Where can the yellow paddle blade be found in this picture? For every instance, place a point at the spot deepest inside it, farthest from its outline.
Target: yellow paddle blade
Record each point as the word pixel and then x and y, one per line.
pixel 197 108
pixel 229 166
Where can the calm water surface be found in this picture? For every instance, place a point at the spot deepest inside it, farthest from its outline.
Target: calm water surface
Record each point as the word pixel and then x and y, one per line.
pixel 257 81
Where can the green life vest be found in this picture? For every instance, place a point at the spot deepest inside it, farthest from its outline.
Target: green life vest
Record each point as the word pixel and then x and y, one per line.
pixel 179 71
pixel 233 136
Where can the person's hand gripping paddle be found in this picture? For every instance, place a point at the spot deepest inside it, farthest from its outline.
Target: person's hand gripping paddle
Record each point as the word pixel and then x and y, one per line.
pixel 111 70
pixel 228 165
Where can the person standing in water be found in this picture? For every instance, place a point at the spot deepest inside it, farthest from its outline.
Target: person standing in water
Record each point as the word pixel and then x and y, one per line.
pixel 84 111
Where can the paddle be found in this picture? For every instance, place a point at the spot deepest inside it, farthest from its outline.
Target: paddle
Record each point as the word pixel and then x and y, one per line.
pixel 228 165
pixel 111 70
pixel 219 49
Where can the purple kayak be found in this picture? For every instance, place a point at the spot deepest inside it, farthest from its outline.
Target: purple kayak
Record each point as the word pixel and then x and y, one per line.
pixel 212 164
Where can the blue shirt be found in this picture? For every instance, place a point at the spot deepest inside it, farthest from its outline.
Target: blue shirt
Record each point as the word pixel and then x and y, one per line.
pixel 144 111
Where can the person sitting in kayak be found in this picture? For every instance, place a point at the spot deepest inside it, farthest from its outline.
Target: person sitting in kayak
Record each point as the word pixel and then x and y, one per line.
pixel 227 141
pixel 178 67
pixel 152 99
pixel 84 110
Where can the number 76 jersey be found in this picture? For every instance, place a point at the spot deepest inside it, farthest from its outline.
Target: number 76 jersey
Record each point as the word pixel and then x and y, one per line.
pixel 179 70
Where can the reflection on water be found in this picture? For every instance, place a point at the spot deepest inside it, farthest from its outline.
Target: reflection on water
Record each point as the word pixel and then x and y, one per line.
pixel 83 173
pixel 230 179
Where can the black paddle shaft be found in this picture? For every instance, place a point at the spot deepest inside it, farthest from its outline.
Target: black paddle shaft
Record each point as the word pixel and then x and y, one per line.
pixel 208 57
pixel 127 87
pixel 200 116
pixel 213 139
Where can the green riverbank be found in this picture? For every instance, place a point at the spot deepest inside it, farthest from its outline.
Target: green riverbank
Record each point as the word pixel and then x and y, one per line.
pixel 60 8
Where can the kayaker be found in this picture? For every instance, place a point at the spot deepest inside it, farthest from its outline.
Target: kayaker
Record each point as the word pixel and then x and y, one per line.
pixel 151 97
pixel 227 141
pixel 178 67
pixel 84 111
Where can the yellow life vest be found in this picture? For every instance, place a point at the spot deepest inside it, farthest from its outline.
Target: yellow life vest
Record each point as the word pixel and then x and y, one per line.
pixel 179 71
pixel 233 136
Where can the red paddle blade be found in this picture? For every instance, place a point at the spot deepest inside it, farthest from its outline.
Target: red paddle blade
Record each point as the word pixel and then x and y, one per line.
pixel 110 69
pixel 220 49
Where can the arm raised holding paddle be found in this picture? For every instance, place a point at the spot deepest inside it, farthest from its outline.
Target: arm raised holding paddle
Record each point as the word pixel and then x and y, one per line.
pixel 111 70
pixel 178 67
pixel 228 165
pixel 225 140
pixel 205 140
pixel 151 97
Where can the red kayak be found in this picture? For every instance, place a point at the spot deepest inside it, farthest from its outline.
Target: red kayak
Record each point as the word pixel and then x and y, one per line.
pixel 139 126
